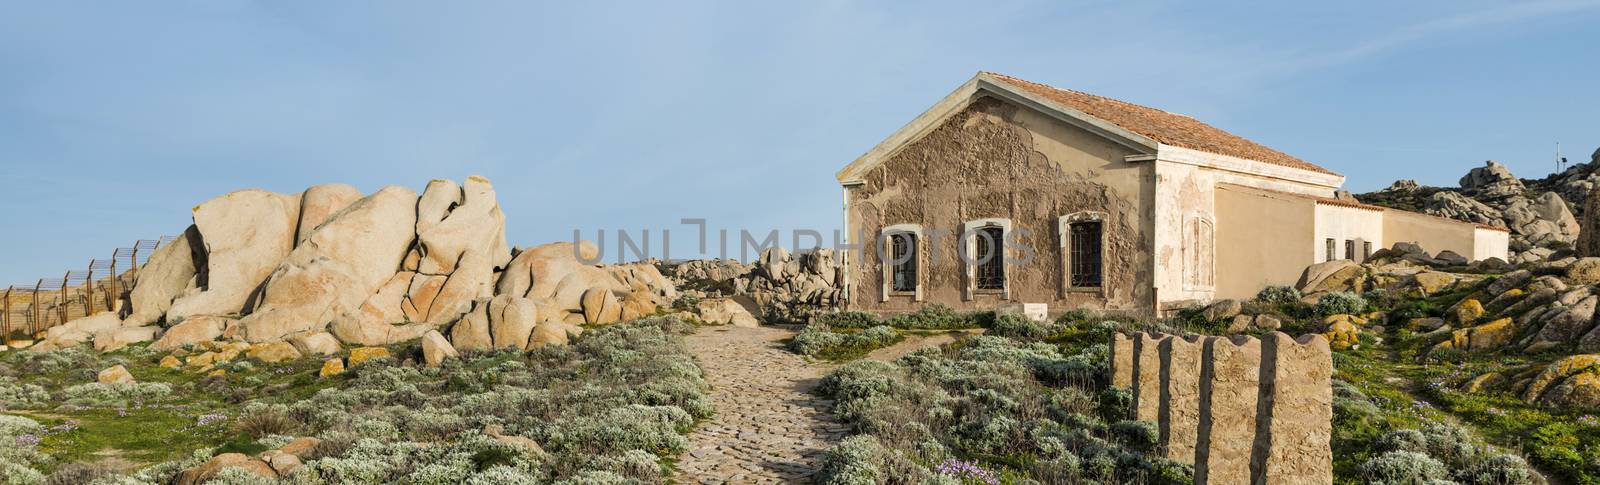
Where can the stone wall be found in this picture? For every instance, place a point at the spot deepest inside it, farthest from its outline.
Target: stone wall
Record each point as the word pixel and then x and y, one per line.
pixel 1241 409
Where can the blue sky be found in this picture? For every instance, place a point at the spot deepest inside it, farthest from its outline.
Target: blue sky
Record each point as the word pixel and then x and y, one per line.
pixel 117 117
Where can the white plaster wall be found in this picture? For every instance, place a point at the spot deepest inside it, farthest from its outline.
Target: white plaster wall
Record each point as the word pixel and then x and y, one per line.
pixel 1184 189
pixel 1343 223
pixel 1489 243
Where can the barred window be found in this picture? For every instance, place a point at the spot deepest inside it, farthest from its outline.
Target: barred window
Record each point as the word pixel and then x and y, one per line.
pixel 1330 250
pixel 991 258
pixel 904 259
pixel 1350 249
pixel 1086 269
pixel 1366 250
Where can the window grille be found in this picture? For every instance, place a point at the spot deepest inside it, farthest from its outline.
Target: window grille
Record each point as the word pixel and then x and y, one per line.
pixel 1086 269
pixel 1366 250
pixel 1330 250
pixel 991 271
pixel 1349 250
pixel 904 259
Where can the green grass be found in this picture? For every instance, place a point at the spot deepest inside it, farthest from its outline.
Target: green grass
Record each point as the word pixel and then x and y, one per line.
pixel 142 436
pixel 159 431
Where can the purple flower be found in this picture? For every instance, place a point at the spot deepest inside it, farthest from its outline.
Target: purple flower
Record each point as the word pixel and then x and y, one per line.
pixel 65 427
pixel 29 439
pixel 1495 411
pixel 966 470
pixel 210 418
pixel 1588 420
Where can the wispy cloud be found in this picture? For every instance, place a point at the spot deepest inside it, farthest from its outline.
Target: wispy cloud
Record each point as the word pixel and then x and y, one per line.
pixel 1410 34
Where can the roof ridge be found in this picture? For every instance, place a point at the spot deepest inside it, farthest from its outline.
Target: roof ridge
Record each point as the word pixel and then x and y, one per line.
pixel 1160 125
pixel 1089 94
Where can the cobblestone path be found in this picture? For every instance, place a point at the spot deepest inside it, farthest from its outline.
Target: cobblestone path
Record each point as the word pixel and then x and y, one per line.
pixel 769 428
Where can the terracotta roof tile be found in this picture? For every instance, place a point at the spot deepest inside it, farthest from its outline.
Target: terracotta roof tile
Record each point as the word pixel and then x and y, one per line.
pixel 1168 128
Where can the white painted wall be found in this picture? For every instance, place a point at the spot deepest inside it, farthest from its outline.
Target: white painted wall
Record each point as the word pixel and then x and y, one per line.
pixel 1343 223
pixel 1490 243
pixel 1186 187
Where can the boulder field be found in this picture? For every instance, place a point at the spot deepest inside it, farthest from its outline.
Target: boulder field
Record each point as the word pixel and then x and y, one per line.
pixel 309 273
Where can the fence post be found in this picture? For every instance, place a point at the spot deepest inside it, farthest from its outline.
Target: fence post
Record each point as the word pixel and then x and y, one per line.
pixel 5 318
pixel 33 314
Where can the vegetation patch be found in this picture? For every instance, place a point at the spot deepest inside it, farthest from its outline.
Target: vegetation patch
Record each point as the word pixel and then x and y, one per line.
pixel 611 407
pixel 1029 405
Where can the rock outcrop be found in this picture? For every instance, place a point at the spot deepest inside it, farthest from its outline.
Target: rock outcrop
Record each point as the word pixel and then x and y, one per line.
pixel 1545 216
pixel 245 234
pixel 166 275
pixel 782 287
pixel 280 276
pixel 341 263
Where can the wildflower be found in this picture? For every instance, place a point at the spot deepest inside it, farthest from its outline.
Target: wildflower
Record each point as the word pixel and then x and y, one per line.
pixel 1495 411
pixel 1588 420
pixel 29 439
pixel 210 418
pixel 966 470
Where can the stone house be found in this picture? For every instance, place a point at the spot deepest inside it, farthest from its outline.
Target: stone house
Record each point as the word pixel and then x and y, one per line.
pixel 1009 191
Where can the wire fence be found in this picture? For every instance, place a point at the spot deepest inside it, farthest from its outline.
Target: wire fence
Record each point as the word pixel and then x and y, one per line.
pixel 100 287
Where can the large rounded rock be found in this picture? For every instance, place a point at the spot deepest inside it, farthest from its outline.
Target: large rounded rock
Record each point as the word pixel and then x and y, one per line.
pixel 601 306
pixel 435 349
pixel 511 321
pixel 1336 275
pixel 451 221
pixel 210 469
pixel 534 273
pixel 190 332
pixel 1563 325
pixel 371 323
pixel 116 374
pixel 549 332
pixel 1557 371
pixel 339 266
pixel 117 338
pixel 725 311
pixel 167 273
pixel 1580 390
pixel 320 343
pixel 774 263
pixel 245 235
pixel 472 331
pixel 638 304
pixel 320 202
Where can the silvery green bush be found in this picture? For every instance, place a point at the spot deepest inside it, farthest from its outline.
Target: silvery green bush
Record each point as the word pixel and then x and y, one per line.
pixel 1341 302
pixel 989 396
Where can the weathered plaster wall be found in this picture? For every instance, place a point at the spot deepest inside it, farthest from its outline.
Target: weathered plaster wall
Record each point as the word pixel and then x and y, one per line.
pixel 994 159
pixel 1256 230
pixel 1344 223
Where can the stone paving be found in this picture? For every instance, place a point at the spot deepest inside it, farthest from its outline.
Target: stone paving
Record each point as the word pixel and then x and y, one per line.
pixel 768 428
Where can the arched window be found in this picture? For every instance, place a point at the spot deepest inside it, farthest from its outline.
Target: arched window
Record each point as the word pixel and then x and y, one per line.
pixel 1199 252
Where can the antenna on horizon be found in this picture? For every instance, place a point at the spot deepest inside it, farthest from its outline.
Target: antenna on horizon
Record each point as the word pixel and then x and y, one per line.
pixel 1561 162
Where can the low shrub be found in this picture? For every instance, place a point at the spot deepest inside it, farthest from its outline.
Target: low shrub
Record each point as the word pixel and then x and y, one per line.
pixel 937 316
pixel 1403 468
pixel 819 340
pixel 1014 406
pixel 1278 295
pixel 1018 326
pixel 1341 302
